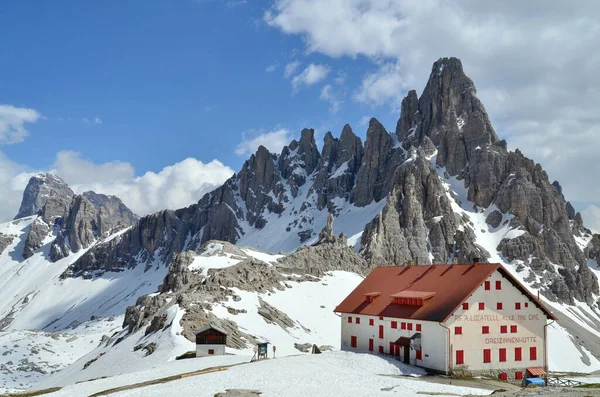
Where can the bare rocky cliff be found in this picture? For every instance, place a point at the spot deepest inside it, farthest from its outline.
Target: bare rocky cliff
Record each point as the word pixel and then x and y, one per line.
pixel 74 222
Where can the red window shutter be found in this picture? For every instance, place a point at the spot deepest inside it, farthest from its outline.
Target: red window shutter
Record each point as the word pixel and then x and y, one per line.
pixel 485 329
pixel 481 306
pixel 518 305
pixel 460 357
pixel 487 285
pixel 211 352
pixel 503 329
pixel 499 306
pixel 513 329
pixel 409 325
pixel 394 324
pixel 381 349
pixel 526 304
pixel 466 306
pixel 498 284
pixel 533 353
pixel 402 325
pixel 370 345
pixel 392 348
pixel 502 355
pixel 419 327
pixel 487 356
pixel 357 320
pixel 458 330
pixel 419 355
pixel 350 320
pixel 381 317
pixel 371 321
pixel 353 341
pixel 381 332
pixel 518 375
pixel 518 354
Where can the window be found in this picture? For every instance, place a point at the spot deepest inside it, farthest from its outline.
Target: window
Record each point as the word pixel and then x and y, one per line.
pixel 419 355
pixel 357 320
pixel 499 306
pixel 402 325
pixel 503 329
pixel 381 349
pixel 487 285
pixel 481 306
pixel 419 327
pixel 371 321
pixel 518 354
pixel 485 329
pixel 498 285
pixel 350 320
pixel 502 355
pixel 409 325
pixel 353 341
pixel 392 348
pixel 487 356
pixel 460 357
pixel 513 329
pixel 370 345
pixel 211 352
pixel 394 324
pixel 381 332
pixel 457 330
pixel 532 353
pixel 518 306
pixel 466 306
pixel 381 317
pixel 526 304
pixel 518 375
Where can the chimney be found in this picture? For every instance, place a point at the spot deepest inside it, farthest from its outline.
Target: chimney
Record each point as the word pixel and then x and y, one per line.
pixel 476 260
pixel 410 263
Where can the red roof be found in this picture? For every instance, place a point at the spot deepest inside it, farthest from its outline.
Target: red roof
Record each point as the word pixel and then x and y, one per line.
pixel 413 294
pixel 536 371
pixel 452 285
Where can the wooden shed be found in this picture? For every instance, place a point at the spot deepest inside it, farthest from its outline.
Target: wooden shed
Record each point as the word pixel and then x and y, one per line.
pixel 210 340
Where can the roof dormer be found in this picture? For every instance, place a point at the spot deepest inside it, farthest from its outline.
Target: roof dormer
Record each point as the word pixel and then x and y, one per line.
pixel 411 298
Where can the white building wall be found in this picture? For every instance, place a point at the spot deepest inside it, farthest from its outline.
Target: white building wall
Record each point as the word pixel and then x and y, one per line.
pixel 203 350
pixel 529 319
pixel 434 338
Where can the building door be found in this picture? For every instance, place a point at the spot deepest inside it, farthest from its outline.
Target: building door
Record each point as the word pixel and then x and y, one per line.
pixel 406 354
pixel 371 345
pixel 381 332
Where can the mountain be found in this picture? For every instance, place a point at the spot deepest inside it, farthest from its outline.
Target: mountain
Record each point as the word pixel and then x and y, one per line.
pixel 441 187
pixel 396 194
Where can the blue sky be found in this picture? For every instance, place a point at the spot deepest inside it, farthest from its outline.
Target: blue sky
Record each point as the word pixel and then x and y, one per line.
pixel 169 79
pixel 160 101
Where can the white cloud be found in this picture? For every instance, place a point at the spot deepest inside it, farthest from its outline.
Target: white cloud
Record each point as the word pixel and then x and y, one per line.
pixel 273 140
pixel 312 74
pixel 290 69
pixel 175 186
pixel 591 216
pixel 97 120
pixel 233 4
pixel 328 94
pixel 535 65
pixel 12 123
pixel 273 67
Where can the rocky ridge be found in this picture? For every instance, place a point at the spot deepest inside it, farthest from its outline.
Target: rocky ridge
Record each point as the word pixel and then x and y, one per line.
pixel 442 136
pixel 73 221
pixel 196 292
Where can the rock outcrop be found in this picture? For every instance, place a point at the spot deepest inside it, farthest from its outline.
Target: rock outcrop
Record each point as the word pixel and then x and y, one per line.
pixel 76 221
pixel 5 241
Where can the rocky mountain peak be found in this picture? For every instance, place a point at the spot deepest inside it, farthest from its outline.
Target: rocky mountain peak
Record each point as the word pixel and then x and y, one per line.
pixel 307 148
pixel 45 190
